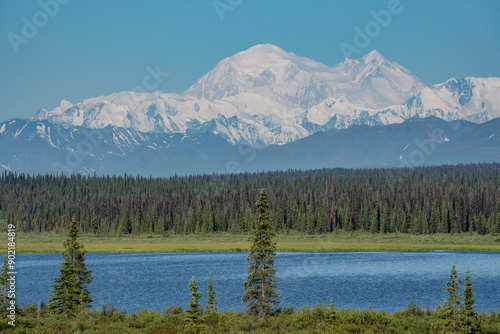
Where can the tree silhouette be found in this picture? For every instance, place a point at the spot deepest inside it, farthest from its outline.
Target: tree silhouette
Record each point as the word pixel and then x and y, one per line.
pixel 260 285
pixel 452 304
pixel 70 292
pixel 211 301
pixel 467 308
pixel 194 310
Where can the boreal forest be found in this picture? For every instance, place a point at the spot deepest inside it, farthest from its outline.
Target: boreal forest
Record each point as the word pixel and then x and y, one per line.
pixel 420 200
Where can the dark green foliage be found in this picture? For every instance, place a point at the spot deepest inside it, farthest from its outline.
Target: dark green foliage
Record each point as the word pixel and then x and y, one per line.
pixel 412 309
pixel 469 315
pixel 333 315
pixel 452 304
pixel 70 293
pixel 306 320
pixel 211 301
pixel 194 310
pixel 315 201
pixel 260 286
pixel 435 219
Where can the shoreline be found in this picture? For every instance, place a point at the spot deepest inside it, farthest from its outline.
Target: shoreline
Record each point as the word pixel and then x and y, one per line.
pixel 31 243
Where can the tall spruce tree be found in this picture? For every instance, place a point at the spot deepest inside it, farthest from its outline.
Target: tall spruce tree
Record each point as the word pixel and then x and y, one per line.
pixel 469 315
pixel 260 285
pixel 194 310
pixel 332 315
pixel 452 304
pixel 70 292
pixel 211 301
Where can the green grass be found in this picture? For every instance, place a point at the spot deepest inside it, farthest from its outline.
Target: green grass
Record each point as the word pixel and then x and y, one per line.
pixel 306 320
pixel 294 242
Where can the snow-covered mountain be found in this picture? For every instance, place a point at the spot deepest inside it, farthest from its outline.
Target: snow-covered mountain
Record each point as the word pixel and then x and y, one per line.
pixel 267 70
pixel 472 99
pixel 262 95
pixel 297 113
pixel 265 95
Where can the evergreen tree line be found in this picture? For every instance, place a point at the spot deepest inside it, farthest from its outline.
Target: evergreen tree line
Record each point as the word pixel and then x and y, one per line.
pixel 71 297
pixel 442 199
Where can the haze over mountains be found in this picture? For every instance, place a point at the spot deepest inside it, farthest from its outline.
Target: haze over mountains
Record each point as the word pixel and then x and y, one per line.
pixel 261 97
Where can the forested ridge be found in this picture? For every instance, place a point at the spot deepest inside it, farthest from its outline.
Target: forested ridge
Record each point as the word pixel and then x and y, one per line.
pixel 442 199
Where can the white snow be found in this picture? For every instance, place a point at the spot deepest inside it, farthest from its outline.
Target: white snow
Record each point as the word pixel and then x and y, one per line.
pixel 19 131
pixel 2 130
pixel 265 94
pixel 45 134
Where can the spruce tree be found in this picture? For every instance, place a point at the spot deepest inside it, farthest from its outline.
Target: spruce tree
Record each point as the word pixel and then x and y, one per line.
pixel 374 220
pixel 452 304
pixel 366 218
pixel 453 220
pixel 383 219
pixel 445 219
pixel 310 221
pixel 434 219
pixel 467 308
pixel 260 285
pixel 332 315
pixel 211 301
pixel 194 310
pixel 70 292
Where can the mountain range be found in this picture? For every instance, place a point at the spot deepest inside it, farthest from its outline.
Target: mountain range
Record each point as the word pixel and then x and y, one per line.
pixel 265 108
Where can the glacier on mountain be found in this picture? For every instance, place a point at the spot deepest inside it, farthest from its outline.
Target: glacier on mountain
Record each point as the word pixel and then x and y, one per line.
pixel 267 96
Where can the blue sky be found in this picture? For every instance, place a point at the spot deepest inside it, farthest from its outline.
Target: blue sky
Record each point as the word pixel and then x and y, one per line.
pixel 91 48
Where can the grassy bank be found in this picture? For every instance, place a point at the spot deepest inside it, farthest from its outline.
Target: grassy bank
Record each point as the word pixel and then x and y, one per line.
pixel 332 242
pixel 317 319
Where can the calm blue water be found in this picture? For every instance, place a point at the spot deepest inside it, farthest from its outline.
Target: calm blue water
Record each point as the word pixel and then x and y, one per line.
pixel 383 281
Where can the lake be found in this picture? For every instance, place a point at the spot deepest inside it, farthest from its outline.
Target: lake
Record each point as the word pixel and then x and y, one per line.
pixel 383 281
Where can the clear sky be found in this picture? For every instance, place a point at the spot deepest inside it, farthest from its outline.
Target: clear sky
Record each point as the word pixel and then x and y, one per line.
pixel 94 47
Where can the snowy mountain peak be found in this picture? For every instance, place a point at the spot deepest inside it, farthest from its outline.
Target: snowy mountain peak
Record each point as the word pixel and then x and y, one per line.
pixel 374 56
pixel 266 70
pixel 376 82
pixel 268 95
pixel 263 49
pixel 372 59
pixel 58 110
pixel 65 104
pixel 284 77
pixel 264 55
pixel 473 99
